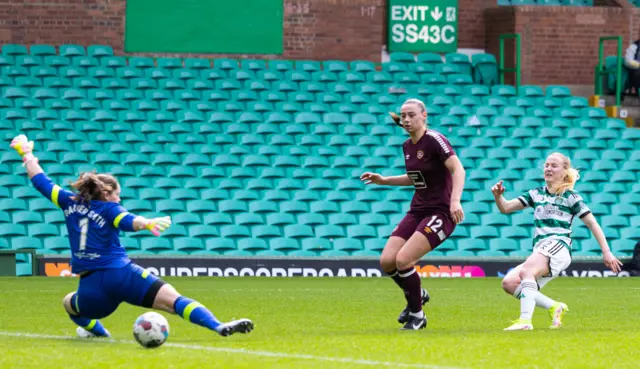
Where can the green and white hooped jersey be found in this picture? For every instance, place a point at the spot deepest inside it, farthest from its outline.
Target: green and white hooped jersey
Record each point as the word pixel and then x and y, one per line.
pixel 554 214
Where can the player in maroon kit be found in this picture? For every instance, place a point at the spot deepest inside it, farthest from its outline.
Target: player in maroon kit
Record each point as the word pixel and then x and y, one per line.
pixel 437 175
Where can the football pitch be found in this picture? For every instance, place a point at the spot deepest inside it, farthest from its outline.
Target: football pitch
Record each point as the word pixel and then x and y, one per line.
pixel 334 323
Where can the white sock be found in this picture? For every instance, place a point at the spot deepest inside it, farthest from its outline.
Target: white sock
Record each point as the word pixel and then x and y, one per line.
pixel 543 301
pixel 528 298
pixel 419 314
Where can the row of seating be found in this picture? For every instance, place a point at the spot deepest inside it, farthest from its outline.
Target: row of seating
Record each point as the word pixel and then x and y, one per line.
pixel 380 84
pixel 46 99
pixel 105 54
pixel 510 118
pixel 305 244
pixel 117 68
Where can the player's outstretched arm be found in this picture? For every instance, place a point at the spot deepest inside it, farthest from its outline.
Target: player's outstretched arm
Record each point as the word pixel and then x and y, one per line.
pixel 375 178
pixel 609 259
pixel 128 222
pixel 24 147
pixel 58 196
pixel 505 206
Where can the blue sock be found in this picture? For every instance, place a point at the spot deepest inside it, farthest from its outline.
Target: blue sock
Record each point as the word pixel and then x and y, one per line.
pixel 196 313
pixel 92 325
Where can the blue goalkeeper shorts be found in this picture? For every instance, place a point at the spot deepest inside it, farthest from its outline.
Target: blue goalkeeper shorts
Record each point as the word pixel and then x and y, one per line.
pixel 100 292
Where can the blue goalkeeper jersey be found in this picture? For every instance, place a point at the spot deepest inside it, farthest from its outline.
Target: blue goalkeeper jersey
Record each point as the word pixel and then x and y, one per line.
pixel 93 227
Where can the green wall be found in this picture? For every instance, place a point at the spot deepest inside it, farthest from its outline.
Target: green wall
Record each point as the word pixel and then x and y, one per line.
pixel 204 26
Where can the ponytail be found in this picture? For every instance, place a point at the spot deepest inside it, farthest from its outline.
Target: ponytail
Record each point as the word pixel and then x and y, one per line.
pixel 91 186
pixel 571 175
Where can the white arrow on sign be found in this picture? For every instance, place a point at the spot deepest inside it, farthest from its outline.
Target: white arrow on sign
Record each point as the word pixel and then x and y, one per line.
pixel 436 14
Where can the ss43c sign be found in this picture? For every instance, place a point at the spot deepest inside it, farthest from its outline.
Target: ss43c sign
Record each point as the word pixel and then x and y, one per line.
pixel 423 25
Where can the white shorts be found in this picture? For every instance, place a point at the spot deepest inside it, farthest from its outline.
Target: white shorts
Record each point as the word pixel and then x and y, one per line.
pixel 559 258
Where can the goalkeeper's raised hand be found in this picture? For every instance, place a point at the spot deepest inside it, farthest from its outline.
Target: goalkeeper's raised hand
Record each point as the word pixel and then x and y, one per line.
pixel 23 146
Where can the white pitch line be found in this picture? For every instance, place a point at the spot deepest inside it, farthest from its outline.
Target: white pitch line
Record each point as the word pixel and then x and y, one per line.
pixel 345 360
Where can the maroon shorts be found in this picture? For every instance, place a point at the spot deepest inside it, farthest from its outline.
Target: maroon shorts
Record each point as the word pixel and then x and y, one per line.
pixel 436 227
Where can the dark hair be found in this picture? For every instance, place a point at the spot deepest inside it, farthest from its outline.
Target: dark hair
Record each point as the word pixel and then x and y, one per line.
pixel 91 186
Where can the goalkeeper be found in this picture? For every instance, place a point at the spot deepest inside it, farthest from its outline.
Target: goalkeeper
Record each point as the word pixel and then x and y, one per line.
pixel 107 276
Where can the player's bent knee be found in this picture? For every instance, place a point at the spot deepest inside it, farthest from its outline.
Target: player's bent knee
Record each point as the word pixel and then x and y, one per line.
pixel 387 264
pixel 390 252
pixel 166 298
pixel 509 285
pixel 66 302
pixel 405 261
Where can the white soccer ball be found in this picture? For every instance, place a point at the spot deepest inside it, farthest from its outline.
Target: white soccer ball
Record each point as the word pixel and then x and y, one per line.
pixel 151 330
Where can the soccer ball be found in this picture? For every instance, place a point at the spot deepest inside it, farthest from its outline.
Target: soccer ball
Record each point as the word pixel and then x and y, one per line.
pixel 151 330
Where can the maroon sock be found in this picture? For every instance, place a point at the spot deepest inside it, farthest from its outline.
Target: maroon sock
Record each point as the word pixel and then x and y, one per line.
pixel 412 289
pixel 396 278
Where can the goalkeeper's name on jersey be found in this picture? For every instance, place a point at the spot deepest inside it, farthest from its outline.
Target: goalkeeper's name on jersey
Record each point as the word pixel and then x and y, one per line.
pixel 81 209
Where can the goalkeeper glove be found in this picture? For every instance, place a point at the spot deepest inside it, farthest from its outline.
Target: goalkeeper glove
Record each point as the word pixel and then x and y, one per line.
pixel 158 225
pixel 24 147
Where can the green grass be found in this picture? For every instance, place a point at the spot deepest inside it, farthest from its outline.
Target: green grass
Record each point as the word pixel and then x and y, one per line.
pixel 352 319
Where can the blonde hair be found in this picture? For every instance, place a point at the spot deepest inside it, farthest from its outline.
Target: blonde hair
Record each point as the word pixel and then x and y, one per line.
pixel 571 175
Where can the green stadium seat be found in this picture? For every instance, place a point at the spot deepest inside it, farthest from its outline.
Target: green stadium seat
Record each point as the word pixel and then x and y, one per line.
pixel 188 244
pixel 42 50
pixel 624 246
pixel 624 209
pixel 51 61
pixel 558 91
pixel 302 230
pixel 485 69
pixel 329 231
pixel 155 244
pixel 169 63
pixel 42 230
pixel 130 244
pixel 576 102
pixel 279 219
pixel 56 244
pixel 265 231
pixel 22 63
pixel 323 207
pixel 589 247
pixel 473 245
pixel 25 217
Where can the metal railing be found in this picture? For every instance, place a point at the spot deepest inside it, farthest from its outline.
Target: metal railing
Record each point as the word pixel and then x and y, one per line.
pixel 516 69
pixel 601 69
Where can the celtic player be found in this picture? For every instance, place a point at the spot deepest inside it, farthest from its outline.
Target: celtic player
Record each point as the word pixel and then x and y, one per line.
pixel 555 206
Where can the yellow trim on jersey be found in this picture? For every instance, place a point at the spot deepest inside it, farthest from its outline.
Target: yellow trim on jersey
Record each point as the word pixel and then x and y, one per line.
pixel 116 222
pixel 189 308
pixel 55 191
pixel 145 274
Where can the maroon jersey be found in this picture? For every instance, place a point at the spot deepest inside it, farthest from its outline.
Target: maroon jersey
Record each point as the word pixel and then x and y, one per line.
pixel 432 180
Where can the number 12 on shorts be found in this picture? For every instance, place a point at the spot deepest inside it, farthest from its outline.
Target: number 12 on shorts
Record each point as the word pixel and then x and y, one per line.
pixel 438 223
pixel 84 228
pixel 434 225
